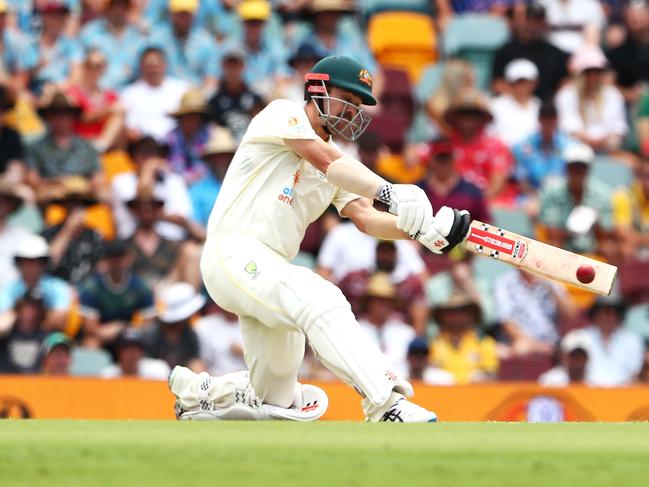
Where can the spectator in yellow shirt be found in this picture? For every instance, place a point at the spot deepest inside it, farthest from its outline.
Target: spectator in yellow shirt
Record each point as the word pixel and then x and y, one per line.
pixel 458 348
pixel 631 214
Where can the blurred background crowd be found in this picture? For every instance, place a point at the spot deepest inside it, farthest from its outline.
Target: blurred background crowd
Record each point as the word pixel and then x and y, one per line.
pixel 118 119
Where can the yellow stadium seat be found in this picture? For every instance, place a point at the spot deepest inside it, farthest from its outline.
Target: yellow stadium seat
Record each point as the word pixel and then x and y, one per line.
pixel 405 40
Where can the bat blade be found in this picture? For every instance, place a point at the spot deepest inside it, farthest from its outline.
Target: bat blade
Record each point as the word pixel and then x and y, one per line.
pixel 537 257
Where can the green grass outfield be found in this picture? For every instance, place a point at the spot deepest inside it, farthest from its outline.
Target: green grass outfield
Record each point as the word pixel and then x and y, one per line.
pixel 136 453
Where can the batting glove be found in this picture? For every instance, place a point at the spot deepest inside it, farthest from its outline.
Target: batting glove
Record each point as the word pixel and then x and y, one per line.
pixel 411 206
pixel 449 228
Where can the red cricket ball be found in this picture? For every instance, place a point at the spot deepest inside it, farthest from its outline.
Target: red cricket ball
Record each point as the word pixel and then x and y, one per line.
pixel 585 273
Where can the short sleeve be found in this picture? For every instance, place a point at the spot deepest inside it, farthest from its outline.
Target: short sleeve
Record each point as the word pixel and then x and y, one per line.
pixel 622 209
pixel 89 305
pixel 60 297
pixel 342 198
pixel 281 119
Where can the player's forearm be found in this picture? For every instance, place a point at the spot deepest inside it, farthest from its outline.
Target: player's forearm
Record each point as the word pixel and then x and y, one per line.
pixel 351 175
pixel 384 226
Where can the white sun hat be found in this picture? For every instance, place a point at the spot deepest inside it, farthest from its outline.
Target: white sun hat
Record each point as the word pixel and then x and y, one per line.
pixel 33 247
pixel 178 302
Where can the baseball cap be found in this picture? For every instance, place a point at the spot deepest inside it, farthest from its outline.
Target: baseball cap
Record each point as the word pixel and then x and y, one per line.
pixel 190 6
pixel 54 340
pixel 254 10
pixel 441 146
pixel 234 51
pixel 33 247
pixel 535 9
pixel 575 340
pixel 54 6
pixel 115 248
pixel 578 153
pixel 418 346
pixel 519 69
pixel 588 58
pixel 130 336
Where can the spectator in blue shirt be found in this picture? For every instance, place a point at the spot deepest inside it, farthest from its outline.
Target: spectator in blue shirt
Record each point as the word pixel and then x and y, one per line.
pixel 217 154
pixel 212 15
pixel 191 51
pixel 31 260
pixel 17 57
pixel 28 13
pixel 119 40
pixel 58 55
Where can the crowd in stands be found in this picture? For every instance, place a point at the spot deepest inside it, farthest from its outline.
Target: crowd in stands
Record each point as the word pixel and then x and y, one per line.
pixel 118 119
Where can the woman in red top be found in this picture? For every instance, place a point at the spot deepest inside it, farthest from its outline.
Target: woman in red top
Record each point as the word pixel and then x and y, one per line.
pixel 102 117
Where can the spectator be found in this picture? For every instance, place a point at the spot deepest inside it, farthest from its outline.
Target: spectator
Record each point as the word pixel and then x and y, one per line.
pixel 74 247
pixel 577 212
pixel 60 152
pixel 187 140
pixel 615 355
pixel 629 61
pixel 265 58
pixel 102 116
pixel 171 338
pixel 458 77
pixel 530 310
pixel 516 112
pixel 57 355
pixel 216 155
pixel 458 348
pixel 573 362
pixel 12 166
pixel 444 186
pixel 420 369
pixel 479 158
pixel 31 260
pixel 118 38
pixel 234 104
pixel 369 147
pixel 190 50
pixel 131 361
pixel 590 109
pixel 301 62
pixel 220 340
pixel 16 54
pixel 380 323
pixel 539 156
pixel 113 298
pixel 631 214
pixel 152 97
pixel 21 336
pixel 642 124
pixel 643 375
pixel 11 236
pixel 574 23
pixel 151 170
pixel 58 55
pixel 528 42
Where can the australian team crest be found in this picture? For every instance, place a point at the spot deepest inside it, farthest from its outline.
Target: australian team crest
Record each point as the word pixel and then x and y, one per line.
pixel 365 77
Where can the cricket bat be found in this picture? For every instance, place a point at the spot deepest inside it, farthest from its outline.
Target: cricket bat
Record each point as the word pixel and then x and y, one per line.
pixel 540 258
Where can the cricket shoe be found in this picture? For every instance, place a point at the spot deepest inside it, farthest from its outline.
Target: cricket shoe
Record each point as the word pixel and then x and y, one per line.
pixel 399 410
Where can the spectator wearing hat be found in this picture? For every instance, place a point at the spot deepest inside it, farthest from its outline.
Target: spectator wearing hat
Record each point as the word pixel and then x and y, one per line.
pixel 57 355
pixel 528 42
pixel 131 360
pixel 16 54
pixel 11 236
pixel 615 354
pixel 530 310
pixel 573 362
pixel 191 51
pixel 172 338
pixel 220 340
pixel 21 336
pixel 458 348
pixel 235 103
pixel 539 157
pixel 151 171
pixel 102 116
pixel 151 99
pixel 380 323
pixel 187 141
pixel 58 55
pixel 31 260
pixel 577 211
pixel 481 159
pixel 114 34
pixel 419 367
pixel 158 259
pixel 218 18
pixel 61 152
pixel 301 62
pixel 216 156
pixel 631 214
pixel 114 297
pixel 574 23
pixel 12 165
pixel 590 109
pixel 75 248
pixel 265 56
pixel 516 112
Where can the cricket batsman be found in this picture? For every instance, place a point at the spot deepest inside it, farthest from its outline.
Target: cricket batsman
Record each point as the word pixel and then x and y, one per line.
pixel 285 173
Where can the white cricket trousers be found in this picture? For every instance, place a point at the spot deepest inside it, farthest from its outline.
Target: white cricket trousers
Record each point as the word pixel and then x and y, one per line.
pixel 278 304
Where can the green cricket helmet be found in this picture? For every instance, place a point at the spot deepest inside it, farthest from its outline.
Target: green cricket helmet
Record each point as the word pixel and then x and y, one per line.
pixel 348 74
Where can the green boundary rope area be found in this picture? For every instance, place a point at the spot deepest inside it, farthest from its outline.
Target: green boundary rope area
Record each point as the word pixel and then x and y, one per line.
pixel 142 453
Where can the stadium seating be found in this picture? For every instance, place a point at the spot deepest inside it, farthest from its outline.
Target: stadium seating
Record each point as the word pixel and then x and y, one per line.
pixel 405 40
pixel 89 361
pixel 637 320
pixel 513 220
pixel 525 368
pixel 611 171
pixel 634 283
